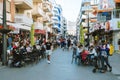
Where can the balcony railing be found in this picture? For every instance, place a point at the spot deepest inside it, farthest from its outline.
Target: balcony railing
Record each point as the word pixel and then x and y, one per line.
pixel 38 11
pixel 38 25
pixel 46 6
pixel 50 14
pixel 23 19
pixel 46 18
pixel 86 1
pixel 55 18
pixel 37 1
pixel 25 4
pixel 86 8
pixel 8 17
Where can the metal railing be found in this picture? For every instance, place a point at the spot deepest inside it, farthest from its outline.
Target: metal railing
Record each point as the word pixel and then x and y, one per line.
pixel 23 19
pixel 28 2
pixel 38 25
pixel 38 10
pixel 86 1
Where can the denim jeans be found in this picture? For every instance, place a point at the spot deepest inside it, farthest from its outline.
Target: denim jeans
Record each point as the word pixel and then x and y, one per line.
pixel 104 60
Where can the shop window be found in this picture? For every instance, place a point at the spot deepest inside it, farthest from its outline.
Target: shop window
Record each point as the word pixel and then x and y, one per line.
pixel 117 5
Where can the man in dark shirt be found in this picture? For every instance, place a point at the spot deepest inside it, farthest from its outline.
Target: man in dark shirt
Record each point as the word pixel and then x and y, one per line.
pixel 48 50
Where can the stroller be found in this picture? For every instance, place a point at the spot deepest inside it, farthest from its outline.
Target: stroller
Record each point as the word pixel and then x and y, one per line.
pixel 84 57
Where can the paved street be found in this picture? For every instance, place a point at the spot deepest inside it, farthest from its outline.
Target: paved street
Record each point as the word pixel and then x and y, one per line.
pixel 59 69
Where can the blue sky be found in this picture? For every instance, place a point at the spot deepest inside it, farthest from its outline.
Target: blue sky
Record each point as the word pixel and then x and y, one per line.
pixel 70 8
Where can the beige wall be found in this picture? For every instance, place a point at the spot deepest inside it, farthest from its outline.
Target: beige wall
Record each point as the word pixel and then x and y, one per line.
pixel 12 11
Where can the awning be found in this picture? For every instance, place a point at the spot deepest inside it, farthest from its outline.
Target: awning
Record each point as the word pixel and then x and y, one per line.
pixel 38 31
pixel 9 27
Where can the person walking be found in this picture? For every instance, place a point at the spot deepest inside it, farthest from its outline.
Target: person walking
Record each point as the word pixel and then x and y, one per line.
pixel 104 58
pixel 68 43
pixel 49 49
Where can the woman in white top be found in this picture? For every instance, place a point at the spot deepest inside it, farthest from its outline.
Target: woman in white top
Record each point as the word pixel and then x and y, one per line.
pixel 92 51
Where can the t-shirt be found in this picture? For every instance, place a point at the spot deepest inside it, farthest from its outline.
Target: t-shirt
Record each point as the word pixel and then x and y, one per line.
pixel 48 45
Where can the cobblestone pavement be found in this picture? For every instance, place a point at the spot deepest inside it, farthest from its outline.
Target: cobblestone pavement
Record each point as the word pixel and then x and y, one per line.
pixel 59 69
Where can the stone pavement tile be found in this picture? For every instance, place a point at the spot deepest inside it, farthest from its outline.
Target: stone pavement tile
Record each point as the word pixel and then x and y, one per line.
pixel 119 77
pixel 1 66
pixel 115 63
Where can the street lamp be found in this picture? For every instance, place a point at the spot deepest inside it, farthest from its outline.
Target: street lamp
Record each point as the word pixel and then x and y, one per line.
pixel 4 31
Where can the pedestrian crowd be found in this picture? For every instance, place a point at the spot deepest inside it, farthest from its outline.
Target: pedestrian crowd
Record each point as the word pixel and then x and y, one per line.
pixel 21 52
pixel 95 55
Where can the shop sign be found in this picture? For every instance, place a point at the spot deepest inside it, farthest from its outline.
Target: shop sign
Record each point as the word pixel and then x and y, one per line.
pixel 118 23
pixel 106 4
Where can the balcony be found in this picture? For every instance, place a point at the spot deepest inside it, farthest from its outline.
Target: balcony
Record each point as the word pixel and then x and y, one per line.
pixel 37 1
pixel 38 25
pixel 84 24
pixel 8 17
pixel 84 17
pixel 87 8
pixel 50 14
pixel 24 4
pixel 37 11
pixel 55 22
pixel 86 1
pixel 46 6
pixel 55 18
pixel 50 23
pixel 95 3
pixel 92 16
pixel 23 19
pixel 46 18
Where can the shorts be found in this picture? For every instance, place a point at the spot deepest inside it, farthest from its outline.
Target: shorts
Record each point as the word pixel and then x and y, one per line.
pixel 48 52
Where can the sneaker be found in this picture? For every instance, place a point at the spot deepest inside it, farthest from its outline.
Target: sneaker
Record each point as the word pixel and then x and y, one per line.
pixel 48 62
pixel 110 69
pixel 102 71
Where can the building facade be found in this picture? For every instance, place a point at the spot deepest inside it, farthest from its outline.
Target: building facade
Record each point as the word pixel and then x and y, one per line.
pixel 99 19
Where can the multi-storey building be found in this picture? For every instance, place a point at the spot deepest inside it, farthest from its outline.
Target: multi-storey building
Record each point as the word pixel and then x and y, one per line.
pixel 38 14
pixel 23 14
pixel 63 27
pixel 10 9
pixel 114 24
pixel 106 22
pixel 47 19
pixel 56 19
pixel 85 20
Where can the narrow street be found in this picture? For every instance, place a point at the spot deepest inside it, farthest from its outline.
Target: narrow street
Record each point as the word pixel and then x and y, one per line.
pixel 59 69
